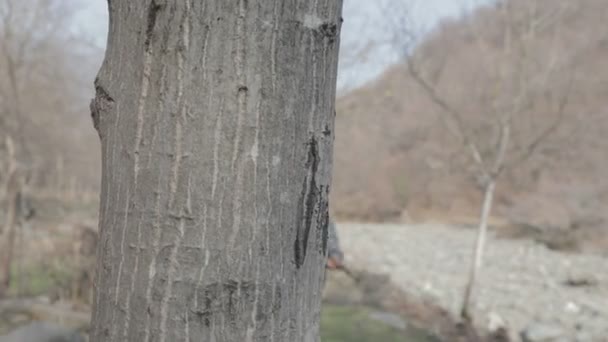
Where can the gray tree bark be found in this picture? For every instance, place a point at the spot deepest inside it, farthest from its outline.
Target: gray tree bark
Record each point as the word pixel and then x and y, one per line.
pixel 216 122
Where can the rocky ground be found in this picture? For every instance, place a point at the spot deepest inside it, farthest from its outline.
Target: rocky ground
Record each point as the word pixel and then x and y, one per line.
pixel 552 296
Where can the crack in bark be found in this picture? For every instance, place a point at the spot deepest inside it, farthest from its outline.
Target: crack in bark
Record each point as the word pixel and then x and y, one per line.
pixel 323 219
pixel 308 198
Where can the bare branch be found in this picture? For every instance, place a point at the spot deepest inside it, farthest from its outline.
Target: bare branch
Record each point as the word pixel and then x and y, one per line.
pixel 531 148
pixel 460 132
pixel 505 137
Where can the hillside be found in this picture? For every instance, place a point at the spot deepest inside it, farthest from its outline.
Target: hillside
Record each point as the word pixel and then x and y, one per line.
pixel 393 155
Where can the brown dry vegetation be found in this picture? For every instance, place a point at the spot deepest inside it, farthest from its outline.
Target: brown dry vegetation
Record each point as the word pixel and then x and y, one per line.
pixel 394 156
pixel 392 153
pixel 46 72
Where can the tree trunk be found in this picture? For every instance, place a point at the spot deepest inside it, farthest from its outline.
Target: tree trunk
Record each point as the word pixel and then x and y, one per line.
pixel 10 227
pixel 479 248
pixel 7 234
pixel 216 123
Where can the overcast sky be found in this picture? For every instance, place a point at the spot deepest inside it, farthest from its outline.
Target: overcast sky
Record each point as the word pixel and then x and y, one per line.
pixel 364 24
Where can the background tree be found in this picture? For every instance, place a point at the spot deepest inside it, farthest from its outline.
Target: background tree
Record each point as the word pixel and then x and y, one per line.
pixel 523 66
pixel 216 123
pixel 39 92
pixel 42 89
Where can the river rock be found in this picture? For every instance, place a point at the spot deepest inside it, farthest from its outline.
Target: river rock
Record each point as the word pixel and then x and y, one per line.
pixel 542 333
pixel 42 332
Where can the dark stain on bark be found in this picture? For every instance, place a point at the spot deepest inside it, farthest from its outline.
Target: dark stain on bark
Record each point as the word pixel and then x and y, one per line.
pixel 101 103
pixel 153 11
pixel 235 301
pixel 309 197
pixel 326 131
pixel 329 31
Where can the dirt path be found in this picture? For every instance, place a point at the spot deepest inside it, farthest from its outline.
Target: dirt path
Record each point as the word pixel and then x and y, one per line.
pixel 523 283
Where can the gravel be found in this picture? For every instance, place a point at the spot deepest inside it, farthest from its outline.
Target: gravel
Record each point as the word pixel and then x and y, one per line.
pixel 522 282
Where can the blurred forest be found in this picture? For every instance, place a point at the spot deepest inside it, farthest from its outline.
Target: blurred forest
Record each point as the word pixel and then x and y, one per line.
pixel 395 159
pixel 47 69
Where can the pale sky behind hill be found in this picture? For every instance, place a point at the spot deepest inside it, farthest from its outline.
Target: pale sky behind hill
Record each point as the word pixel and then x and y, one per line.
pixel 364 25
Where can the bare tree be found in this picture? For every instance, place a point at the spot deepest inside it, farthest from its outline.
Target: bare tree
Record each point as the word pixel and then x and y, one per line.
pixel 35 91
pixel 495 113
pixel 24 35
pixel 216 124
pixel 7 233
pixel 42 90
